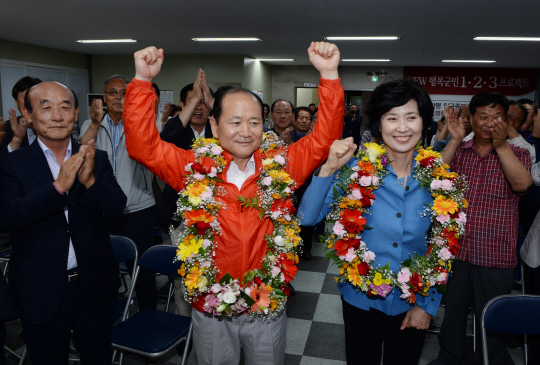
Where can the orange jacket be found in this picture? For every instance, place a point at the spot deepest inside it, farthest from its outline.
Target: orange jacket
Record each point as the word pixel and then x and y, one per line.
pixel 241 245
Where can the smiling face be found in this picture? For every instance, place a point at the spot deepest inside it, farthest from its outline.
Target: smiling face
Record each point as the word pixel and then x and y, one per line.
pixel 303 122
pixel 53 111
pixel 484 119
pixel 401 128
pixel 200 114
pixel 240 126
pixel 115 103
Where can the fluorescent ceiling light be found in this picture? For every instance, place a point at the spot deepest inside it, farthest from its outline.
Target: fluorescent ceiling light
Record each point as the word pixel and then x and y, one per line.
pixel 470 61
pixel 225 39
pixel 107 40
pixel 362 38
pixel 367 60
pixel 530 39
pixel 274 59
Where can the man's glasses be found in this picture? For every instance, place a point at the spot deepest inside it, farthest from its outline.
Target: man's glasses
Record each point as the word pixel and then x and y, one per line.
pixel 115 93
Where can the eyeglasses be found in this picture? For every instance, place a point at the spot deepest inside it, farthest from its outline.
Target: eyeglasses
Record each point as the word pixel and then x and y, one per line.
pixel 115 93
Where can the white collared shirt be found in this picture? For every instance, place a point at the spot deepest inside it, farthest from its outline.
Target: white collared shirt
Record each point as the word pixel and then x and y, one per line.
pixel 54 166
pixel 237 177
pixel 197 134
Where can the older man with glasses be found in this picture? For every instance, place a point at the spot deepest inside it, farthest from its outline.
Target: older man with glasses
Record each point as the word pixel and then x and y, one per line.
pixel 137 221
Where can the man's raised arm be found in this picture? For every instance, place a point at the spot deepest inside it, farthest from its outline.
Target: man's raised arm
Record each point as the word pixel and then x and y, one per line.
pixel 311 151
pixel 142 138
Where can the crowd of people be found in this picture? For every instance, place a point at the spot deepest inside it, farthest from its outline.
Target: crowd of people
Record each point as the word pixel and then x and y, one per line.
pixel 66 185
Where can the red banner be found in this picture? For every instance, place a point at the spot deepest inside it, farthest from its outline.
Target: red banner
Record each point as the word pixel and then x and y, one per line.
pixel 471 81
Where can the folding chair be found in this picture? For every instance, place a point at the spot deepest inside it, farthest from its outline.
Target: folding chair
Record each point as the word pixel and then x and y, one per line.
pixel 153 333
pixel 124 250
pixel 515 314
pixel 12 317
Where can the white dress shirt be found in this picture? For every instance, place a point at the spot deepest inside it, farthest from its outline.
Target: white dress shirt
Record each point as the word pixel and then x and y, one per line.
pixel 55 170
pixel 237 177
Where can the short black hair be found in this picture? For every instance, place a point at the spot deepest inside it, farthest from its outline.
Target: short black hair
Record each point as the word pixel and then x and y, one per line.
pixel 222 89
pixel 490 98
pixel 218 101
pixel 309 106
pixel 267 107
pixel 521 107
pixel 278 100
pixel 188 88
pixel 302 108
pixel 528 101
pixel 23 84
pixel 156 89
pixel 396 93
pixel 28 104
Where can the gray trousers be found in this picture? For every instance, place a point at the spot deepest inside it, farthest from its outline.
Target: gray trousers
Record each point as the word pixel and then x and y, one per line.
pixel 217 340
pixel 472 284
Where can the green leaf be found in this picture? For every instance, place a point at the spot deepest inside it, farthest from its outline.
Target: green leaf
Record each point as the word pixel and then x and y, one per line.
pixel 249 300
pixel 279 294
pixel 226 279
pixel 407 263
pixel 441 289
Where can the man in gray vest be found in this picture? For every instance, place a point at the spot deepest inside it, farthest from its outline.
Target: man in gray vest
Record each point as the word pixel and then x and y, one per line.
pixel 137 222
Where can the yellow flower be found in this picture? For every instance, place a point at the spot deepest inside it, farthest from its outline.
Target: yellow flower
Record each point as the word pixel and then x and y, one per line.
pixel 443 206
pixel 465 203
pixel 274 305
pixel 193 278
pixel 354 276
pixel 387 281
pixel 378 279
pixel 190 246
pixel 279 175
pixel 374 151
pixel 425 153
pixel 269 288
pixel 194 191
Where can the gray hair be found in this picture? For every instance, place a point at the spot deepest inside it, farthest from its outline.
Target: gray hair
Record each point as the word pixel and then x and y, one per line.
pixel 110 78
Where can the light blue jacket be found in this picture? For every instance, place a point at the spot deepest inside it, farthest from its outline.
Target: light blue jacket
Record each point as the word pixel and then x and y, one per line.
pixel 398 230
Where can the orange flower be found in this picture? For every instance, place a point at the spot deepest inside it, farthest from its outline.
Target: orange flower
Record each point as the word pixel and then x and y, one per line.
pixel 366 166
pixel 354 276
pixel 444 206
pixel 352 220
pixel 260 295
pixel 199 215
pixel 288 267
pixel 453 242
pixel 182 270
pixel 193 278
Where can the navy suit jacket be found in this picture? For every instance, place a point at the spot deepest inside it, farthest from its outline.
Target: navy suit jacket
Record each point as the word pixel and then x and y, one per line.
pixel 32 211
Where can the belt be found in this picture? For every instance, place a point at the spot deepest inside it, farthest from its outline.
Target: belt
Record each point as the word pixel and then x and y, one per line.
pixel 72 275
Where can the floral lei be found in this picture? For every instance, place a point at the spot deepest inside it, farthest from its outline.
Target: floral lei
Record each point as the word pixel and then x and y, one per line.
pixel 419 273
pixel 261 293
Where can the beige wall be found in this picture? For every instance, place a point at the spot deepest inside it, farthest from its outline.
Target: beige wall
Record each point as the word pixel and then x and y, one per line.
pixel 286 78
pixel 36 54
pixel 177 70
pixel 258 76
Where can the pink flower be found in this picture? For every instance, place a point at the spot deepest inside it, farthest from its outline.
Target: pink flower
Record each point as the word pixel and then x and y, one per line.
pixel 442 277
pixel 369 256
pixel 446 185
pixel 404 275
pixel 443 218
pixel 213 172
pixel 276 214
pixel 445 254
pixel 356 168
pixel 406 294
pixel 354 176
pixel 435 184
pixel 216 150
pixel 207 193
pixel 287 190
pixel 357 194
pixel 279 159
pixel 206 264
pixel 338 228
pixel 350 255
pixel 375 181
pixel 206 243
pixel 188 167
pixel 201 150
pixel 275 270
pixel 267 181
pixel 198 176
pixel 216 288
pixel 462 218
pixel 365 181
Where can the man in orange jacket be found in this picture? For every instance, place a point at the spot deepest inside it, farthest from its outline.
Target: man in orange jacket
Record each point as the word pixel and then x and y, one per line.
pixel 238 125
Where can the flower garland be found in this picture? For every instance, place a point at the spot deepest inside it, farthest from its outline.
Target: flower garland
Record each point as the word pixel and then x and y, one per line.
pixel 419 273
pixel 260 292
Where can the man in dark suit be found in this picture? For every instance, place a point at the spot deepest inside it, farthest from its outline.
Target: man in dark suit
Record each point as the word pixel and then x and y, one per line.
pixel 18 133
pixel 55 197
